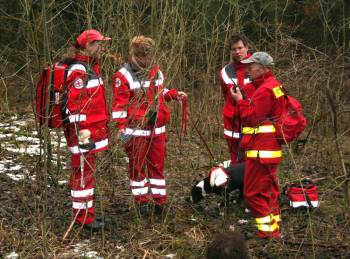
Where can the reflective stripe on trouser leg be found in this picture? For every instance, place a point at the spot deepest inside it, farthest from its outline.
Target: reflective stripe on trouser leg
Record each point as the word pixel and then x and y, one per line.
pixel 137 150
pixel 155 166
pixel 261 189
pixel 82 194
pixel 268 226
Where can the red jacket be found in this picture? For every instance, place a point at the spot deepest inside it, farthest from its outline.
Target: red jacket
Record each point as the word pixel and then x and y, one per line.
pixel 135 100
pixel 86 103
pixel 257 115
pixel 233 74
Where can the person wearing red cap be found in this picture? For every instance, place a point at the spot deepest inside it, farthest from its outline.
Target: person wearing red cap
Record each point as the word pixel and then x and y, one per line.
pixel 232 75
pixel 86 127
pixel 262 148
pixel 141 114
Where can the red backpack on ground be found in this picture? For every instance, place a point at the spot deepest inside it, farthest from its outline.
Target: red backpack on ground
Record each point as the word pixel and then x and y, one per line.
pixel 292 121
pixel 50 94
pixel 303 194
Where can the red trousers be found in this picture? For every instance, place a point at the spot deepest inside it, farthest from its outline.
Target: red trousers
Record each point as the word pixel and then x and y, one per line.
pixel 82 184
pixel 261 194
pixel 231 134
pixel 146 168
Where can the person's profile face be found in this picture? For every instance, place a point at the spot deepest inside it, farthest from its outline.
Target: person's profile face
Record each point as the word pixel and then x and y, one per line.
pixel 255 70
pixel 238 51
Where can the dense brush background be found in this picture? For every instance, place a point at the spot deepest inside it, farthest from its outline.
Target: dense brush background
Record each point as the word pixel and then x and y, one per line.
pixel 309 40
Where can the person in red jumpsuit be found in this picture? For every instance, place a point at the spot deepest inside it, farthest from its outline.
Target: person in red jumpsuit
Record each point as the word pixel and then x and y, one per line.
pixel 262 149
pixel 86 128
pixel 232 75
pixel 141 114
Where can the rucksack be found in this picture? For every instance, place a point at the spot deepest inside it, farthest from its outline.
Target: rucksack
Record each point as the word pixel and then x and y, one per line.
pixel 51 95
pixel 292 122
pixel 303 194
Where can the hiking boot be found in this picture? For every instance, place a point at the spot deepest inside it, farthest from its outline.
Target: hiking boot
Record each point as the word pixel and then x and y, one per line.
pixel 94 226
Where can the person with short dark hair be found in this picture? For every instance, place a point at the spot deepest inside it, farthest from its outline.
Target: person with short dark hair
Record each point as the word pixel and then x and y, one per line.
pixel 228 245
pixel 234 75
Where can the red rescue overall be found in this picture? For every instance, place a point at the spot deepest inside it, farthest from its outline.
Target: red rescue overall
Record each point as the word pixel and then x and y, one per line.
pixel 86 109
pixel 139 108
pixel 263 153
pixel 230 75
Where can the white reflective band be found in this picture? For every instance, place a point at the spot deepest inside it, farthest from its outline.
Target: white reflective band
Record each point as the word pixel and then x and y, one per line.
pixel 94 83
pixel 225 77
pixel 144 133
pixel 77 118
pixel 201 185
pixel 267 219
pixel 218 177
pixel 158 82
pixel 267 228
pixel 82 193
pixel 139 191
pixel 226 163
pixel 158 191
pixel 99 144
pixel 158 182
pixel 119 115
pixel 76 67
pixel 165 91
pixel 127 75
pixel 296 204
pixel 82 205
pixel 159 130
pixel 246 80
pixel 138 184
pixel 231 134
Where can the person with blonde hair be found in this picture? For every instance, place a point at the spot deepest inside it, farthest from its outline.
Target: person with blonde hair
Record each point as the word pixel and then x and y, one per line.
pixel 141 114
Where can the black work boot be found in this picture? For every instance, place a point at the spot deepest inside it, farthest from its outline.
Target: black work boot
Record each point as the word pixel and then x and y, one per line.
pixel 94 226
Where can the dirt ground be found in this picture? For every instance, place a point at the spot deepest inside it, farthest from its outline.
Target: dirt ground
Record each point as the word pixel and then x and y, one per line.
pixel 35 209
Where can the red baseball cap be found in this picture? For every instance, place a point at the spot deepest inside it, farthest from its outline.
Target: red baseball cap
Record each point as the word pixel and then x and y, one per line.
pixel 89 36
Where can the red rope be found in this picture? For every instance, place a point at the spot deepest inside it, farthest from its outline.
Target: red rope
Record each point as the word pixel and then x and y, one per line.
pixel 184 121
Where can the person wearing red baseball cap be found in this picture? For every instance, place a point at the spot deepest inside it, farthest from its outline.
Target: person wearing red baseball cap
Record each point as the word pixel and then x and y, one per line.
pixel 86 127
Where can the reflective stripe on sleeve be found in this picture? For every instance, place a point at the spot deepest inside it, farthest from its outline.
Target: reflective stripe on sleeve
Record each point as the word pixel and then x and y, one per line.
pixel 94 83
pixel 119 115
pixel 144 133
pixel 231 134
pixel 260 129
pixel 98 144
pixel 77 118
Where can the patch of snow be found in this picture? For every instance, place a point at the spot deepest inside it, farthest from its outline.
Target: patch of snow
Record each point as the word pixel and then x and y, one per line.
pixel 92 255
pixel 2 167
pixel 3 136
pixel 232 228
pixel 15 168
pixel 12 128
pixel 242 221
pixel 28 139
pixel 30 150
pixel 62 182
pixel 170 256
pixel 20 123
pixel 12 255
